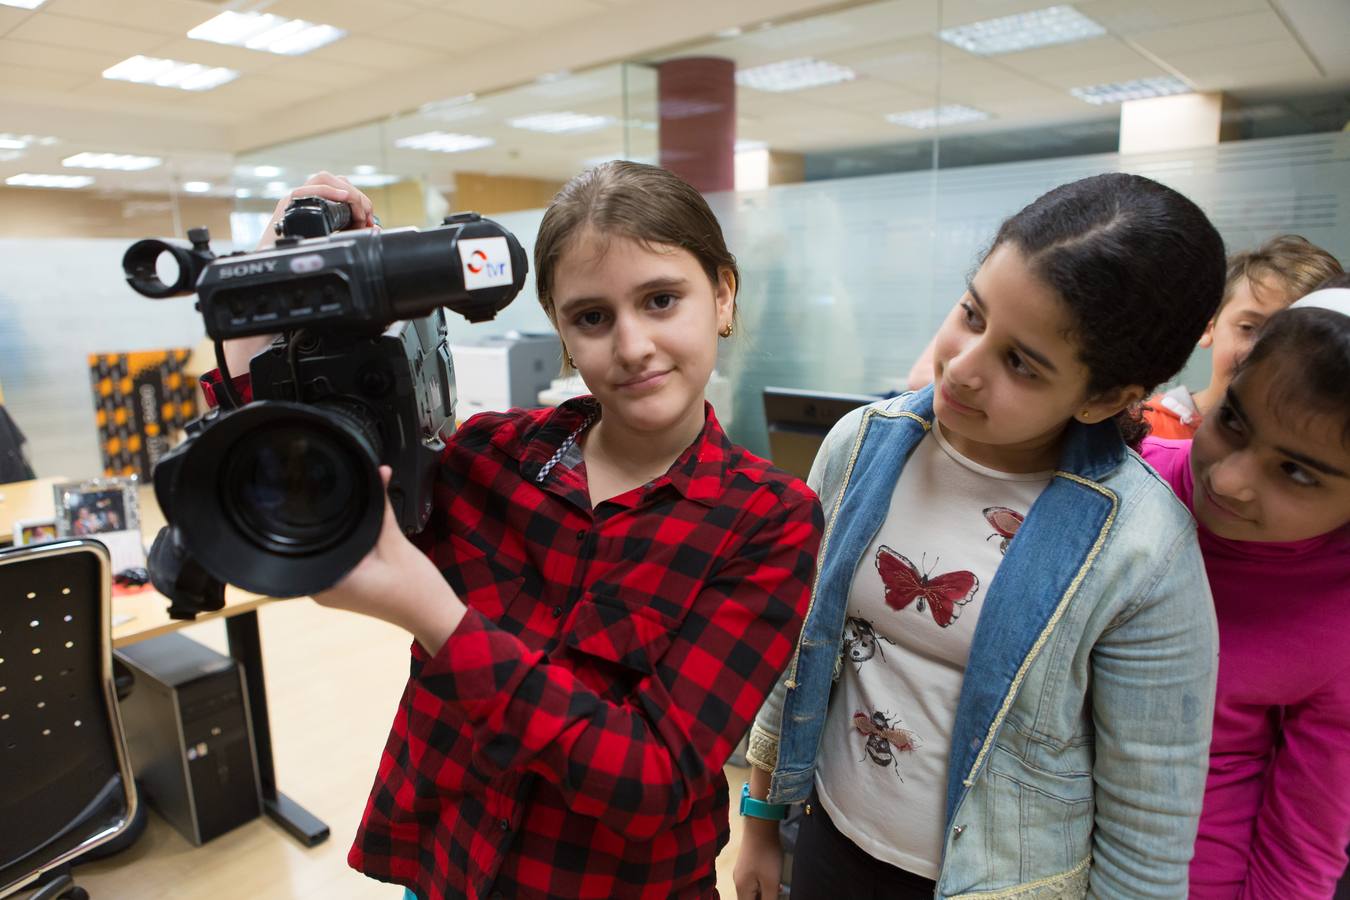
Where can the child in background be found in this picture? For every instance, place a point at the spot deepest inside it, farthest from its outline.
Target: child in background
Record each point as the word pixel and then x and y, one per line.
pixel 1012 603
pixel 1261 282
pixel 1268 478
pixel 604 594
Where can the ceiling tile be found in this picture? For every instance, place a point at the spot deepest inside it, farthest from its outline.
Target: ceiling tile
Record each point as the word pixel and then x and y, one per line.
pixel 45 56
pixel 1132 16
pixel 374 53
pixel 526 15
pixel 1090 75
pixel 175 17
pixel 317 71
pixel 11 17
pixel 63 31
pixel 45 79
pixel 447 34
pixel 1103 51
pixel 355 16
pixel 1232 31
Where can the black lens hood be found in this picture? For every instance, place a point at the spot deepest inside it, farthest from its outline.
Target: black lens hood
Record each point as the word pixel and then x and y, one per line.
pixel 211 530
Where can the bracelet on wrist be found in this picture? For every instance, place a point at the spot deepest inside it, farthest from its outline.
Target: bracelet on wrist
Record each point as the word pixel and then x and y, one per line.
pixel 759 809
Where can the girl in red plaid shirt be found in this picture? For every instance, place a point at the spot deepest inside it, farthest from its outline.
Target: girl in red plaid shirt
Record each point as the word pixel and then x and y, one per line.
pixel 604 594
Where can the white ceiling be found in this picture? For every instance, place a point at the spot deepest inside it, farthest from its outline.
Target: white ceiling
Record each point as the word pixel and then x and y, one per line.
pixel 401 54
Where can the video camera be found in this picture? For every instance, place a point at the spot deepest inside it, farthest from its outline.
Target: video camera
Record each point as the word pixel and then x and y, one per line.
pixel 282 496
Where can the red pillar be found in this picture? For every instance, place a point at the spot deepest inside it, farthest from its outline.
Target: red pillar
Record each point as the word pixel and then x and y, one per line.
pixel 697 97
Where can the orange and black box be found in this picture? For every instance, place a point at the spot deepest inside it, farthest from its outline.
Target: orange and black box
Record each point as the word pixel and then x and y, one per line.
pixel 141 403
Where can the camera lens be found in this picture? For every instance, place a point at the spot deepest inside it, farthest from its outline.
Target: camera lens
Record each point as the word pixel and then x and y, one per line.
pixel 293 490
pixel 281 498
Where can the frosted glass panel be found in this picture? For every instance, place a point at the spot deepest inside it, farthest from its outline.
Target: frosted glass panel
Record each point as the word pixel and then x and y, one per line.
pixel 845 281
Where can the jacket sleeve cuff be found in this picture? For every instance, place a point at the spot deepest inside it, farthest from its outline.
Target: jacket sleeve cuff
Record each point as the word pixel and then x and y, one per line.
pixel 763 751
pixel 210 382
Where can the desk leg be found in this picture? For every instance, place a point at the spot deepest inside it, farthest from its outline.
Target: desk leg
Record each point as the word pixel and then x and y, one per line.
pixel 246 648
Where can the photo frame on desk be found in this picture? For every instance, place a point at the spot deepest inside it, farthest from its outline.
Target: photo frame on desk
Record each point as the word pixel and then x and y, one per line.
pixel 34 531
pixel 106 509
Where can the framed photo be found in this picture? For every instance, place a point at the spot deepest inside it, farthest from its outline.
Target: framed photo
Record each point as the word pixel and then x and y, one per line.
pixel 96 506
pixel 34 531
pixel 106 509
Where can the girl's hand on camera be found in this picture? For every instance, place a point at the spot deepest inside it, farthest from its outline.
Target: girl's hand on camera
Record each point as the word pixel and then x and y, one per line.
pixel 396 582
pixel 329 187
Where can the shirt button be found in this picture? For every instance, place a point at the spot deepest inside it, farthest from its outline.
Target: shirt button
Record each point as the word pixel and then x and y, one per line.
pixel 505 824
pixel 556 611
pixel 958 831
pixel 581 535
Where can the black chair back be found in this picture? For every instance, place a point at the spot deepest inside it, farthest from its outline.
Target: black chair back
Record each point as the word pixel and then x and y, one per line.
pixel 65 778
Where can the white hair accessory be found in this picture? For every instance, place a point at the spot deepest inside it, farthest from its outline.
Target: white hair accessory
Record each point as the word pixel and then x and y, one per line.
pixel 1335 299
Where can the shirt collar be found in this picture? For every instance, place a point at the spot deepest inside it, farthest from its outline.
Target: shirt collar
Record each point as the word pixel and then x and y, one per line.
pixel 698 474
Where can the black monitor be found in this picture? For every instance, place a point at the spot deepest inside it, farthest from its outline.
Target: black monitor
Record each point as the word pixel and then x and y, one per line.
pixel 798 421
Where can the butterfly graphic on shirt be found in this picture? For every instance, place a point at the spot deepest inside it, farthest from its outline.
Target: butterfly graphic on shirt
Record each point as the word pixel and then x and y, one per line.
pixel 942 595
pixel 860 640
pixel 884 738
pixel 1005 523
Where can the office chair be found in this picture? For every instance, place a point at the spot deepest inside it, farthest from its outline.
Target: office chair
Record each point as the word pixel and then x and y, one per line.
pixel 64 772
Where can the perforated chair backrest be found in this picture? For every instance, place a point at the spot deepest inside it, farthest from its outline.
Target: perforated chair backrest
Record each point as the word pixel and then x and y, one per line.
pixel 64 775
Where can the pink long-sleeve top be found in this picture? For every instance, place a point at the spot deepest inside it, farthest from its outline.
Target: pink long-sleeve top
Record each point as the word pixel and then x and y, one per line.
pixel 1276 819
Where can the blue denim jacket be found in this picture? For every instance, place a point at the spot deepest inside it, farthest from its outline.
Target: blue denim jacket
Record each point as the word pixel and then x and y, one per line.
pixel 1080 746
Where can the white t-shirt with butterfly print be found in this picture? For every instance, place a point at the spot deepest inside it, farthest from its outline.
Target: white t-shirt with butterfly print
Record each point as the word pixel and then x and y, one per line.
pixel 916 596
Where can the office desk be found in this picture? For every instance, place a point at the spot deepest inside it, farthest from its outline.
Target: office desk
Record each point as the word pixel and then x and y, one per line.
pixel 143 615
pixel 21 500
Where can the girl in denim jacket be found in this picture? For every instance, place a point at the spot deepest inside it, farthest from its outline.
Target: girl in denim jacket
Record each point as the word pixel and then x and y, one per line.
pixel 1005 680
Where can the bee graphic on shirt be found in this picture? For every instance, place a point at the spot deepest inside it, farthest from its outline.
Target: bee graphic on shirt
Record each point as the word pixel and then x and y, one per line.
pixel 1005 523
pixel 861 640
pixel 885 738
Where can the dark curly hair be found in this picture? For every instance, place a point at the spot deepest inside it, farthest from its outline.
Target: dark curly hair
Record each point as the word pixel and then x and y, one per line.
pixel 1140 268
pixel 1310 350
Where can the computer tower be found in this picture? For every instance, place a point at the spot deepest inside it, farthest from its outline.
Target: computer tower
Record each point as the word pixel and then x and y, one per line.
pixel 190 736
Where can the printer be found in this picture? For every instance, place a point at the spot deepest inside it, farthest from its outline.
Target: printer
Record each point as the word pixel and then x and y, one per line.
pixel 500 372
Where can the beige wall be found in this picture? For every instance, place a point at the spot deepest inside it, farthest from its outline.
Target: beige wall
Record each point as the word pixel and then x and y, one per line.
pixel 33 212
pixel 490 194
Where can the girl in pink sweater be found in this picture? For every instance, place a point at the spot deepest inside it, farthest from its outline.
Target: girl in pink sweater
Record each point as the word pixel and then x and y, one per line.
pixel 1268 480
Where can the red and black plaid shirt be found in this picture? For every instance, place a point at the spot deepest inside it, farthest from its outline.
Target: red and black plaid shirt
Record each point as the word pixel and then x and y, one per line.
pixel 569 738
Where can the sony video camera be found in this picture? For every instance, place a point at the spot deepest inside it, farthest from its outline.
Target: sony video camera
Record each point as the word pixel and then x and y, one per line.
pixel 282 496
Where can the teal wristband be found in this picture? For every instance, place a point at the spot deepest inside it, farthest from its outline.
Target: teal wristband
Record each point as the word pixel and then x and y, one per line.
pixel 758 809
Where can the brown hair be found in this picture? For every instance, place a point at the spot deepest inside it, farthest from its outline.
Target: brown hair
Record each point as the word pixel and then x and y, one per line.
pixel 1296 262
pixel 648 204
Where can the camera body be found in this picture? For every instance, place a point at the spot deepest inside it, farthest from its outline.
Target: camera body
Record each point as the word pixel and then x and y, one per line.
pixel 282 495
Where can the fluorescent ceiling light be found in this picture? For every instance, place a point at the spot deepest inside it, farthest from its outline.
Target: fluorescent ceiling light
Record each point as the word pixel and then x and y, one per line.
pixel 243 193
pixel 365 170
pixel 793 75
pixel 1023 31
pixel 124 162
pixel 938 117
pixel 561 122
pixel 444 142
pixel 264 31
pixel 266 171
pixel 22 141
pixel 27 179
pixel 196 187
pixel 1138 89
pixel 23 4
pixel 373 179
pixel 170 73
